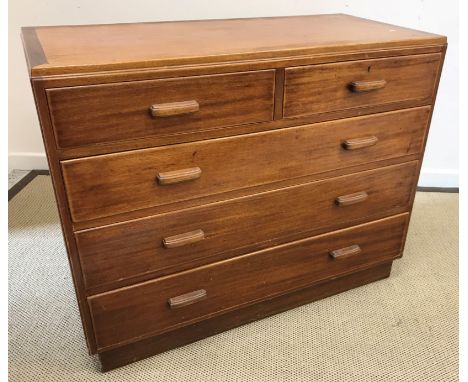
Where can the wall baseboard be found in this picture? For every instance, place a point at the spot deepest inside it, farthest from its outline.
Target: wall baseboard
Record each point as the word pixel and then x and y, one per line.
pixel 440 178
pixel 27 161
pixel 450 190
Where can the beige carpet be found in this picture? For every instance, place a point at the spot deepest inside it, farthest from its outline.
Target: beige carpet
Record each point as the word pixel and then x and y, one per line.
pixel 404 328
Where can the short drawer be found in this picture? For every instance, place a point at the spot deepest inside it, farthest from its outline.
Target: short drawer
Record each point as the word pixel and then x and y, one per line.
pixel 358 84
pixel 117 183
pixel 159 305
pixel 179 240
pixel 85 115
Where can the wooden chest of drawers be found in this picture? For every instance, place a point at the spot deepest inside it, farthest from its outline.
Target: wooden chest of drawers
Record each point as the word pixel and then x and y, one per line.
pixel 211 173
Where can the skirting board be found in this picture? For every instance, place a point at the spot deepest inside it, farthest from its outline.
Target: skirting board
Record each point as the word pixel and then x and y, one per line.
pixel 27 161
pixel 440 178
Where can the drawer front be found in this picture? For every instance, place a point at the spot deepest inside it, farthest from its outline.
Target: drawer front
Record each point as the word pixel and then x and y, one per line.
pixel 179 240
pixel 153 307
pixel 358 84
pixel 117 183
pixel 85 115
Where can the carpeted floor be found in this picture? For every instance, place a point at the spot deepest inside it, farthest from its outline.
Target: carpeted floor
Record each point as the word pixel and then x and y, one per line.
pixel 404 328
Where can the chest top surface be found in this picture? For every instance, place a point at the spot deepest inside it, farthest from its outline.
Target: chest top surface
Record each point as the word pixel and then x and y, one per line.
pixel 58 50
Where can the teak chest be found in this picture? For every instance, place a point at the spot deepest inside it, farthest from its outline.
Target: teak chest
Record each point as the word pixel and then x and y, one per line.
pixel 211 173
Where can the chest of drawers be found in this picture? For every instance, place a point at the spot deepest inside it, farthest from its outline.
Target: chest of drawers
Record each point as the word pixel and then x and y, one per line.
pixel 211 173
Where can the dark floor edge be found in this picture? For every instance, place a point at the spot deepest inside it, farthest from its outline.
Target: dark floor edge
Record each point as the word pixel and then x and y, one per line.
pixel 13 191
pixel 453 190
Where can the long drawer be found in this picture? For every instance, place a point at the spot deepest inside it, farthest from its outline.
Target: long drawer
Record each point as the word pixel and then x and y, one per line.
pixel 84 115
pixel 179 240
pixel 359 84
pixel 117 183
pixel 159 305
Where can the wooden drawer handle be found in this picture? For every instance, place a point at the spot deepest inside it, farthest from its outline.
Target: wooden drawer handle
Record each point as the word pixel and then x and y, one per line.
pixel 183 239
pixel 359 143
pixel 343 253
pixel 178 176
pixel 174 108
pixel 347 200
pixel 366 86
pixel 186 299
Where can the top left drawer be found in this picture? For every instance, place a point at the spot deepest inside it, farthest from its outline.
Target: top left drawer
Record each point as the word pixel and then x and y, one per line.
pixel 86 115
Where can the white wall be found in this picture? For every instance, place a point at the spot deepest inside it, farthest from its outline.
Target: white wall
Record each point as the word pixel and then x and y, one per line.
pixel 440 167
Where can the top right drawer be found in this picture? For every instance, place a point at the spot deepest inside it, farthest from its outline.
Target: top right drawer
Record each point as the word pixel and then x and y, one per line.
pixel 407 81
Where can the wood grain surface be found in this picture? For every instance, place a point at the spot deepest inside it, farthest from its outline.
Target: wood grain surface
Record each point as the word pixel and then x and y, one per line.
pixel 139 311
pixel 323 88
pixel 119 252
pixel 150 346
pixel 95 48
pixel 114 112
pixel 118 183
